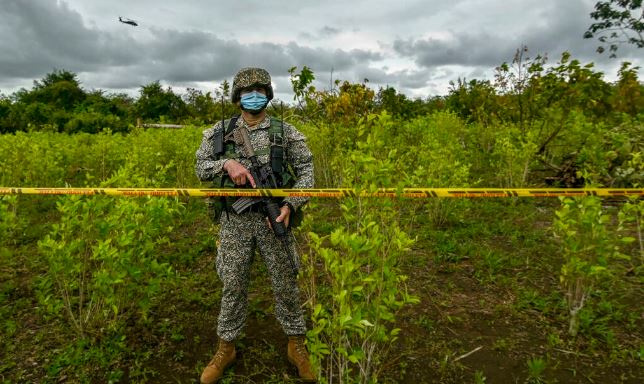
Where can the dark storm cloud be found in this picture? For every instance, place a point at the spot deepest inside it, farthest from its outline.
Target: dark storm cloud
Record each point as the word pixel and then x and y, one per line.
pixel 198 56
pixel 463 49
pixel 199 42
pixel 43 35
pixel 323 59
pixel 561 30
pixel 40 35
pixel 407 79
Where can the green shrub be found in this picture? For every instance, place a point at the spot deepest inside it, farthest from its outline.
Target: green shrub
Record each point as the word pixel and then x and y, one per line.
pixel 588 248
pixel 354 314
pixel 104 266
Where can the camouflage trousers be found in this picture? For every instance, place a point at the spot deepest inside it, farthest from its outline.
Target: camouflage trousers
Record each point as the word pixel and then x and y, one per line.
pixel 239 236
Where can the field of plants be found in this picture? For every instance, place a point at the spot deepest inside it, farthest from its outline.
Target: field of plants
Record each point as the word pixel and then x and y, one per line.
pixel 503 290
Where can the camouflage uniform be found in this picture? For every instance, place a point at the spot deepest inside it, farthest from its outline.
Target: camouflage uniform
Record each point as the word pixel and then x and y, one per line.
pixel 241 234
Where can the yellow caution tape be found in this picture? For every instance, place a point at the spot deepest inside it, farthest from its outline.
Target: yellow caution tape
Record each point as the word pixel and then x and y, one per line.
pixel 338 192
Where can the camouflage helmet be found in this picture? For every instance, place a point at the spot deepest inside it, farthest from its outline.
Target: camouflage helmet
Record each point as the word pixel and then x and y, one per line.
pixel 249 77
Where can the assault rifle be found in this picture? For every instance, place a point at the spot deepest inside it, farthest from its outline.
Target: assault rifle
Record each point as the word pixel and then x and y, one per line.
pixel 264 178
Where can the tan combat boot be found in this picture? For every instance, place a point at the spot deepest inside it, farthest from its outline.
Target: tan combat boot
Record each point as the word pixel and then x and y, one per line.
pixel 225 356
pixel 299 356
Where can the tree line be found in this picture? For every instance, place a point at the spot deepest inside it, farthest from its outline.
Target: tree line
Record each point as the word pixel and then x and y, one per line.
pixel 524 91
pixel 59 103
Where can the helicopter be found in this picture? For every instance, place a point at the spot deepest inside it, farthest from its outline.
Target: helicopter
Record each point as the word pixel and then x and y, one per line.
pixel 128 21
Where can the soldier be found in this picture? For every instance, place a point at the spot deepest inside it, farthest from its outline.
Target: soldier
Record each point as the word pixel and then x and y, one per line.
pixel 241 233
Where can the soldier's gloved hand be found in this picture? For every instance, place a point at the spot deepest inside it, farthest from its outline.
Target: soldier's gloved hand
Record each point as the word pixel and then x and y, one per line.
pixel 285 215
pixel 238 173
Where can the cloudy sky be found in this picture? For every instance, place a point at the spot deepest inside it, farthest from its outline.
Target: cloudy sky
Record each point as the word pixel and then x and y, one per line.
pixel 416 46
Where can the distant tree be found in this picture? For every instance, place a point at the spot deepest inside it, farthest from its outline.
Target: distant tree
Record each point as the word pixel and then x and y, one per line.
pixel 5 111
pixel 201 107
pixel 59 89
pixel 98 101
pixel 154 103
pixel 474 100
pixel 518 86
pixel 393 102
pixel 55 77
pixel 399 105
pixel 123 105
pixel 12 116
pixel 628 92
pixel 99 112
pixel 618 22
pixel 37 113
pixel 352 102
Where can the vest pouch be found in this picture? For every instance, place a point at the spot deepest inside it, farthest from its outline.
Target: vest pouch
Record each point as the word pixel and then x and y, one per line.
pixel 215 208
pixel 277 159
pixel 215 204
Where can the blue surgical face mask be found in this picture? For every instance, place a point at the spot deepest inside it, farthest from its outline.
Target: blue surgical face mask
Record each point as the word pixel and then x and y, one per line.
pixel 253 101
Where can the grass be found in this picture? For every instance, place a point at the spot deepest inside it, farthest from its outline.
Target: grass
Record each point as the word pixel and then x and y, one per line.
pixel 536 369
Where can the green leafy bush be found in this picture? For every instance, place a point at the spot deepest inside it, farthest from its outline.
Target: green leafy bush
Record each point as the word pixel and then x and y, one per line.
pixel 354 314
pixel 104 266
pixel 588 248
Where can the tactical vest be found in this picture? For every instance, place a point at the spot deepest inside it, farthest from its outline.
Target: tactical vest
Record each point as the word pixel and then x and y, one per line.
pixel 283 171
